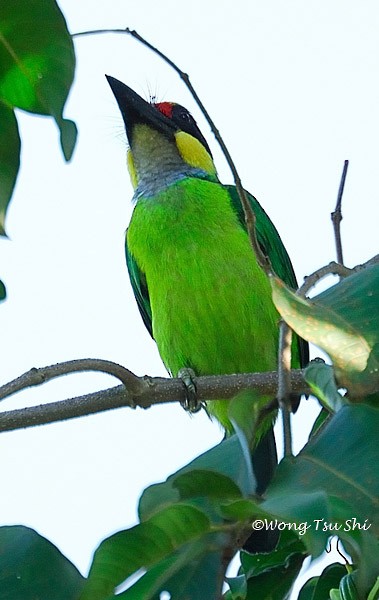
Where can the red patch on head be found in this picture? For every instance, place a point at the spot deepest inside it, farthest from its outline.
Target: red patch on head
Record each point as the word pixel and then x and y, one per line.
pixel 165 108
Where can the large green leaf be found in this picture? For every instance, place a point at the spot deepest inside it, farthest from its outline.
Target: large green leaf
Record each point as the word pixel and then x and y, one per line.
pixel 333 487
pixel 184 514
pixel 204 483
pixel 9 157
pixel 227 460
pixel 258 571
pixel 194 572
pixel 276 583
pixel 320 378
pixel 237 588
pixel 3 291
pixel 343 321
pixel 143 546
pixel 256 564
pixel 342 462
pixel 318 588
pixel 37 64
pixel 32 568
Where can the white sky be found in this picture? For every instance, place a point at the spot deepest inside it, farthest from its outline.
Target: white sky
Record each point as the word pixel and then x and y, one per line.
pixel 293 87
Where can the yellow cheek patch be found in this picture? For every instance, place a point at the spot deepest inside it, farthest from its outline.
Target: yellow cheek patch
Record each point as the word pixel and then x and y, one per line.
pixel 194 153
pixel 132 168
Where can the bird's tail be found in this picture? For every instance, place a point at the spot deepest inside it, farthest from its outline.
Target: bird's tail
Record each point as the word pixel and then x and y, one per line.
pixel 264 461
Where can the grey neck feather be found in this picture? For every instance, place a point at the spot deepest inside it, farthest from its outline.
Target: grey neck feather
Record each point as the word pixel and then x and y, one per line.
pixel 158 163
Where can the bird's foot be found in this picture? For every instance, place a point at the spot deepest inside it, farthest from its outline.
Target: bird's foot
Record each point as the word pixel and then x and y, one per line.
pixel 191 402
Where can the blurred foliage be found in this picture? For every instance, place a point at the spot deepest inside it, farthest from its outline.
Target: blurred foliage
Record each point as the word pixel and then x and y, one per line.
pixel 37 65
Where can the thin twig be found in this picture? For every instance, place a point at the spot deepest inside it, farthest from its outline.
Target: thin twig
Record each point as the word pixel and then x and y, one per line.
pixel 150 391
pixel 284 383
pixel 337 214
pixel 42 375
pixel 332 268
pixel 262 259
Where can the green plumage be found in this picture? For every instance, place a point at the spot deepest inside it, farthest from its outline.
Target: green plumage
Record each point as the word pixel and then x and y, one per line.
pixel 200 290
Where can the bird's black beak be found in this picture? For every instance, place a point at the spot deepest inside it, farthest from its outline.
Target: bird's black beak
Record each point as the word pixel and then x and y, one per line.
pixel 135 110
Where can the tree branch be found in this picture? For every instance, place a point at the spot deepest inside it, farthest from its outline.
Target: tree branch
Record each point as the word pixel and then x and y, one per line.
pixel 37 376
pixel 284 383
pixel 149 391
pixel 337 214
pixel 332 268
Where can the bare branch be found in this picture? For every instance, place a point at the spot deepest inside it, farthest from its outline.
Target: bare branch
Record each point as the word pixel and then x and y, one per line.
pixel 150 391
pixel 37 376
pixel 337 214
pixel 332 268
pixel 284 383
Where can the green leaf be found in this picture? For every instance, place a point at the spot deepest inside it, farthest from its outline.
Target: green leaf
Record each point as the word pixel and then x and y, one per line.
pixel 348 589
pixel 207 484
pixel 3 291
pixel 32 568
pixel 69 132
pixel 9 158
pixel 307 591
pixel 299 509
pixel 374 592
pixel 256 564
pixel 142 546
pixel 37 65
pixel 363 547
pixel 343 321
pixel 334 478
pixel 242 510
pixel 238 587
pixel 156 497
pixel 227 459
pixel 320 378
pixel 169 528
pixel 321 419
pixel 276 583
pixel 195 571
pixel 318 588
pixel 243 412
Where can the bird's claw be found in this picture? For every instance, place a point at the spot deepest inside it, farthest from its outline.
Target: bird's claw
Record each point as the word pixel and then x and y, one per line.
pixel 191 402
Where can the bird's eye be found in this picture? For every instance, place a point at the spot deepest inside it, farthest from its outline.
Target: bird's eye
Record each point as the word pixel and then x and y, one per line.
pixel 185 116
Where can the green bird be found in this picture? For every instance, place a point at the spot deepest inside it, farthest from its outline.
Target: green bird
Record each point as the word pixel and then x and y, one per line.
pixel 201 293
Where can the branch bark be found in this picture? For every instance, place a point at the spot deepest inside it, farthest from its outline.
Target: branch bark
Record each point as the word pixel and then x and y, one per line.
pixel 42 375
pixel 284 383
pixel 333 268
pixel 337 215
pixel 145 392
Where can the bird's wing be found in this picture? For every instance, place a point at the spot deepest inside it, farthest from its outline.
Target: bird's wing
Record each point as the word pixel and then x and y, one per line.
pixel 271 245
pixel 139 285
